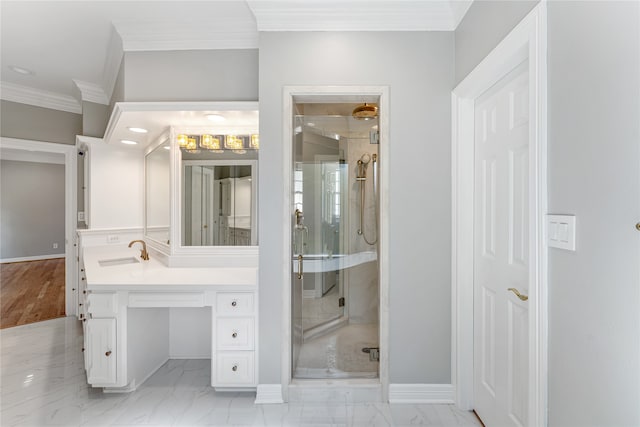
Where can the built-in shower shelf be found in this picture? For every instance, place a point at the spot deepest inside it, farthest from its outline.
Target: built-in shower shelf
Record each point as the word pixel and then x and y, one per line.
pixel 321 263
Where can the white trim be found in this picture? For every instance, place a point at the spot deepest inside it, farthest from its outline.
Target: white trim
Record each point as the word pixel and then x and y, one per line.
pixel 336 94
pixel 421 393
pixel 268 393
pixel 70 207
pixel 526 41
pixel 31 258
pixel 91 92
pixel 39 98
pixel 357 15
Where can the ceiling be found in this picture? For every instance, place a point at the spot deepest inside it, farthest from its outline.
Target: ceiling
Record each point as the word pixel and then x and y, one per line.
pixel 73 48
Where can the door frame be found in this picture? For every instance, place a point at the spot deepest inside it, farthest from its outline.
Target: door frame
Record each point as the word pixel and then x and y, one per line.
pixel 337 94
pixel 527 41
pixel 70 206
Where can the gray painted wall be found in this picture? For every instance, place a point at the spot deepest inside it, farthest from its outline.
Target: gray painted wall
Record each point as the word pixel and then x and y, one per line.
pixel 484 25
pixel 418 68
pixel 32 212
pixel 593 134
pixel 118 87
pixel 94 119
pixel 39 124
pixel 191 75
pixel 594 147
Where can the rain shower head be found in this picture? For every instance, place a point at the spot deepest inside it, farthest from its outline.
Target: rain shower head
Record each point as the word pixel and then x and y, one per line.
pixel 365 112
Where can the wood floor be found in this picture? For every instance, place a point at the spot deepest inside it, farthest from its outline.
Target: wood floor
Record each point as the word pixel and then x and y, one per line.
pixel 31 291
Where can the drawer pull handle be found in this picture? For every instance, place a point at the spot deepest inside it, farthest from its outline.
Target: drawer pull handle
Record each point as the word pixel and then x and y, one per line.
pixel 234 303
pixel 108 353
pixel 82 348
pixel 82 278
pixel 235 368
pixel 84 292
pixel 234 335
pixel 81 315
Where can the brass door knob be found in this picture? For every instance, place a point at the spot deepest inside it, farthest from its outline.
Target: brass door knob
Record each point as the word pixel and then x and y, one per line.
pixel 108 353
pixel 518 294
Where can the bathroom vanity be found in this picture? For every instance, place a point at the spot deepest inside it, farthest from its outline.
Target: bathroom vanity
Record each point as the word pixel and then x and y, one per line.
pixel 125 309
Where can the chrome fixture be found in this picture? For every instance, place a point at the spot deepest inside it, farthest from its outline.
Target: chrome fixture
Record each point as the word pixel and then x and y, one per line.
pixel 143 253
pixel 361 177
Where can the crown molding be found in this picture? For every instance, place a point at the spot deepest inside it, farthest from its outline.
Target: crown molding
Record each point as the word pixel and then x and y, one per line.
pixel 39 98
pixel 199 35
pixel 91 92
pixel 355 15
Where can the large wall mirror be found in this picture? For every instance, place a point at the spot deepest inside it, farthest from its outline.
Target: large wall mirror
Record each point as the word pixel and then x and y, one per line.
pixel 218 189
pixel 219 203
pixel 157 163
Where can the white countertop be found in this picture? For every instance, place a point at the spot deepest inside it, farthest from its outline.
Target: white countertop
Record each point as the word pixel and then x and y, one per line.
pixel 153 275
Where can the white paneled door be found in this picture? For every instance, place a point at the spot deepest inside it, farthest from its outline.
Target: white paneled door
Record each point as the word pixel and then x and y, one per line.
pixel 501 254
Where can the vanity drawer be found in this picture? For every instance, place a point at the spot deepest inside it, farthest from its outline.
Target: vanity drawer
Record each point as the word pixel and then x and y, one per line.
pixel 235 303
pixel 102 305
pixel 235 369
pixel 235 333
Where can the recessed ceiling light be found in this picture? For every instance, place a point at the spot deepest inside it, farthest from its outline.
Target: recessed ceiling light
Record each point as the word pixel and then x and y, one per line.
pixel 128 142
pixel 21 70
pixel 216 118
pixel 138 130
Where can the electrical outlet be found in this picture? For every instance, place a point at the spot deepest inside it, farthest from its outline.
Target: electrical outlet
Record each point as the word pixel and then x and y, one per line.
pixel 113 238
pixel 55 246
pixel 80 216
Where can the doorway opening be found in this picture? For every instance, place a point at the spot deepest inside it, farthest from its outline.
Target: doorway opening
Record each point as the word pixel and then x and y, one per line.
pixel 336 238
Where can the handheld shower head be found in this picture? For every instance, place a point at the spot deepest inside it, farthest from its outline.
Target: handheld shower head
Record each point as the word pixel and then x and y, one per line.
pixel 365 159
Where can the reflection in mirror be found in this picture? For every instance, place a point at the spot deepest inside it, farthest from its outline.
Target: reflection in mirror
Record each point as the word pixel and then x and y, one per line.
pixel 219 197
pixel 157 193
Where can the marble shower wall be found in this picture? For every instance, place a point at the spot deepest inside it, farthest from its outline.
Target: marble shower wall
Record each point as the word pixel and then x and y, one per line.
pixel 362 297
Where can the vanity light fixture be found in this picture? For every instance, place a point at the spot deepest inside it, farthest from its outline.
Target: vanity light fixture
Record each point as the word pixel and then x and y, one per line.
pixel 129 142
pixel 209 142
pixel 138 130
pixel 182 140
pixel 232 142
pixel 217 118
pixel 255 141
pixel 191 144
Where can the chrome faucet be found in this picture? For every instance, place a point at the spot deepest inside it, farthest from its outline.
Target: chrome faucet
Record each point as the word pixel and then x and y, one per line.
pixel 143 253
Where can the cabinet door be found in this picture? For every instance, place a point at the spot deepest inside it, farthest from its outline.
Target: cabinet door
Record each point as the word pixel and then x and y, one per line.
pixel 100 342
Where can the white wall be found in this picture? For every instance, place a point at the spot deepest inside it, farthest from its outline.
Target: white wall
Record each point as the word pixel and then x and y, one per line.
pixel 116 185
pixel 418 68
pixel 594 173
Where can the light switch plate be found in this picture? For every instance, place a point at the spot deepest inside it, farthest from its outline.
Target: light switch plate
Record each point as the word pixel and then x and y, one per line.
pixel 561 231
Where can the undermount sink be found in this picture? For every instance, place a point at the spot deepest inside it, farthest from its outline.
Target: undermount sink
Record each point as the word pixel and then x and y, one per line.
pixel 118 261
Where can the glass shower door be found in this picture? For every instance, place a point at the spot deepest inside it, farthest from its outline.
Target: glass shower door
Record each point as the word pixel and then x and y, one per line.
pixel 318 243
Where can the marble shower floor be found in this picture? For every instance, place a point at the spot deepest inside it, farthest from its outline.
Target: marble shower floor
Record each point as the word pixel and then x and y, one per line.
pixel 43 383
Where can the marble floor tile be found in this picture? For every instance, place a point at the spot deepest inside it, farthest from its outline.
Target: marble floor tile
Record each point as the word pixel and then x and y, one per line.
pixel 43 384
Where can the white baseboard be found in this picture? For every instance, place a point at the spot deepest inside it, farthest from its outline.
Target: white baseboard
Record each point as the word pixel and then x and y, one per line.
pixel 421 393
pixel 269 393
pixel 32 258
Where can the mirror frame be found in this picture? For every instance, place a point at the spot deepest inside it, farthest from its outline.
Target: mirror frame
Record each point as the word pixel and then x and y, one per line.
pixel 163 139
pixel 229 256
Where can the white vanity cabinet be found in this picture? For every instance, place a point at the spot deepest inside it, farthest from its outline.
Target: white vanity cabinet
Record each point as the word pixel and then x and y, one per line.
pixel 233 358
pixel 100 338
pixel 139 314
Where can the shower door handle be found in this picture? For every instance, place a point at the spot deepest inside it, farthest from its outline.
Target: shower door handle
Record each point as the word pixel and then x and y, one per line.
pixel 299 267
